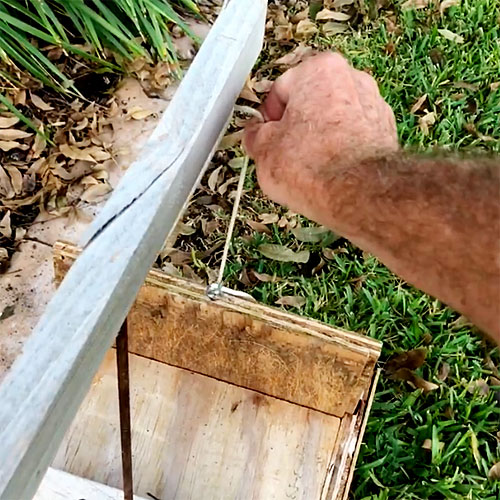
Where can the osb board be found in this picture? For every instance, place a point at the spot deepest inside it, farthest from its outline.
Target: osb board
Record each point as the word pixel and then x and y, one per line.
pixel 249 345
pixel 194 437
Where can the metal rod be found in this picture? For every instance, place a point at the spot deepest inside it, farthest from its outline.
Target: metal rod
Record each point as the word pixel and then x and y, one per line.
pixel 124 404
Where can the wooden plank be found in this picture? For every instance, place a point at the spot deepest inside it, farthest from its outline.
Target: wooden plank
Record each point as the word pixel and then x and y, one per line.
pixel 250 345
pixel 198 438
pixel 41 393
pixel 59 485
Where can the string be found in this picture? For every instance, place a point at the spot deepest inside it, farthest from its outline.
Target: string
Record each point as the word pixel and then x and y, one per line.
pixel 230 228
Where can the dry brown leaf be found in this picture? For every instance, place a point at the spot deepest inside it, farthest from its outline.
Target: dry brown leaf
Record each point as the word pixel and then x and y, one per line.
pixel 300 16
pixel 424 122
pixel 283 33
pixel 330 15
pixel 269 218
pixel 297 55
pixel 283 254
pixel 418 104
pixel 39 144
pixel 213 180
pixel 9 145
pixel 263 86
pixel 305 29
pixel 6 189
pixel 494 472
pixel 4 256
pixel 8 121
pixel 337 4
pixel 248 91
pixel 473 87
pixel 265 278
pixel 415 4
pixel 444 371
pixel 75 153
pixel 231 140
pixel 449 35
pixel 16 178
pixel 12 134
pixel 94 193
pixel 20 98
pixel 185 229
pixel 332 28
pixel 427 444
pixel 494 86
pixel 479 386
pixel 20 233
pixel 410 360
pixel 292 301
pixel 414 380
pixel 446 4
pixel 224 187
pixel 40 103
pixel 258 226
pixel 5 227
pixel 138 113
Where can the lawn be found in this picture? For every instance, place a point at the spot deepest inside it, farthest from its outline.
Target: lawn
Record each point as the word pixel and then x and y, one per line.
pixel 434 445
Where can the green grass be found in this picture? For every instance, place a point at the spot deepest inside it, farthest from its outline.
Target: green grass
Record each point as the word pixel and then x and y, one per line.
pixel 354 291
pixel 114 31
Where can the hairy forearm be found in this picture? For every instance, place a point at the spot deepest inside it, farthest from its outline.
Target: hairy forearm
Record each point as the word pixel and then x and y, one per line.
pixel 433 221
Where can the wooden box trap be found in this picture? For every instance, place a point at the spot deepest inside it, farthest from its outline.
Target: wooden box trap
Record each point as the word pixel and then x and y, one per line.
pixel 229 400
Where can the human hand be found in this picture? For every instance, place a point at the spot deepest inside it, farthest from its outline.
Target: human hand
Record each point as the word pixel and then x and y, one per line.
pixel 320 117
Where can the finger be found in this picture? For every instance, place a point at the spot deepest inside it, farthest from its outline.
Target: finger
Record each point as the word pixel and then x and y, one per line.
pixel 259 137
pixel 275 104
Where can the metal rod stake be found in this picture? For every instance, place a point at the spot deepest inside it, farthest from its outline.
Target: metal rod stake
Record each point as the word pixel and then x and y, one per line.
pixel 124 405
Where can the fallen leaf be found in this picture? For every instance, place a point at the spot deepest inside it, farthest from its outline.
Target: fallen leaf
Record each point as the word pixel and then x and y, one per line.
pixel 424 122
pixel 297 55
pixel 418 104
pixel 493 473
pixel 283 33
pixel 263 86
pixel 330 15
pixel 170 269
pixel 446 4
pixel 414 380
pixel 494 86
pixel 310 234
pixel 265 278
pixel 444 371
pixel 479 386
pixel 223 187
pixel 8 121
pixel 40 103
pixel 8 145
pixel 6 189
pixel 283 254
pixel 95 192
pixel 427 444
pixel 300 16
pixel 5 227
pixel 20 233
pixel 269 218
pixel 4 256
pixel 475 449
pixel 16 178
pixel 449 35
pixel 332 28
pixel 292 301
pixel 248 92
pixel 75 153
pixel 12 134
pixel 138 113
pixel 231 140
pixel 185 229
pixel 258 226
pixel 410 359
pixel 39 144
pixel 474 87
pixel 237 163
pixel 415 4
pixel 213 180
pixel 305 29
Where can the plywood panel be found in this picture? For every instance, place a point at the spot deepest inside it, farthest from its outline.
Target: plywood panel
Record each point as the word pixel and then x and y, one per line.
pixel 198 438
pixel 59 485
pixel 247 344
